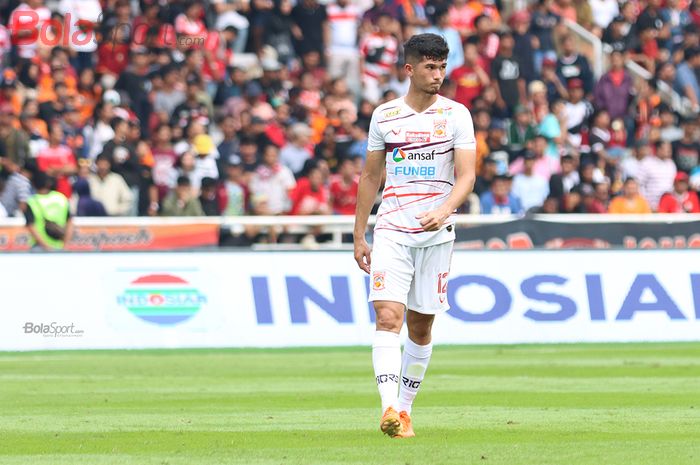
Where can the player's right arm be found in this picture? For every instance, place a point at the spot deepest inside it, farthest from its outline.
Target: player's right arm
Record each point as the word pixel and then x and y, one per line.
pixel 370 180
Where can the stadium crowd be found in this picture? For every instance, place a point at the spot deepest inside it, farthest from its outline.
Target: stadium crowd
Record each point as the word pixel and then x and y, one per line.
pixel 231 107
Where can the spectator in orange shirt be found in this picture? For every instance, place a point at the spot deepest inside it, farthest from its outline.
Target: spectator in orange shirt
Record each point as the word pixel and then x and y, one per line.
pixel 630 201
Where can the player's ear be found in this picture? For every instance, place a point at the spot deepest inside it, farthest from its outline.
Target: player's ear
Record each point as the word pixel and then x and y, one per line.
pixel 409 68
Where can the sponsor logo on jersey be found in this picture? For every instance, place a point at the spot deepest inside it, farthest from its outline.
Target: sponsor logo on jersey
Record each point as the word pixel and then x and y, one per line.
pixel 417 136
pixel 378 280
pixel 396 132
pixel 415 171
pixel 399 155
pixel 440 128
pixel 391 113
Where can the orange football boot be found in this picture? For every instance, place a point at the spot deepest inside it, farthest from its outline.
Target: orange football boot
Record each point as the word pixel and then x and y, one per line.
pixel 391 422
pixel 406 426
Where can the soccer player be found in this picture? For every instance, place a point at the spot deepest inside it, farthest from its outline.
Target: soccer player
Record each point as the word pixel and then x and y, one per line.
pixel 426 144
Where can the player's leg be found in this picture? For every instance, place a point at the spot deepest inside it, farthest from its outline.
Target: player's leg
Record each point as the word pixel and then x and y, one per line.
pixel 427 297
pixel 386 359
pixel 391 275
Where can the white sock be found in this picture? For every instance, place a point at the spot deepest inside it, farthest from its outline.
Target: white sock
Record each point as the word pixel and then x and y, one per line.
pixel 415 362
pixel 386 358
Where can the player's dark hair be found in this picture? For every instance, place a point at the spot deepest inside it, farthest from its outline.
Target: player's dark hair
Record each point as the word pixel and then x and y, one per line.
pixel 430 46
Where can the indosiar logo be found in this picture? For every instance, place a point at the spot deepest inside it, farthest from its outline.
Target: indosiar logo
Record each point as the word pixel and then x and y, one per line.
pixel 162 299
pixel 399 155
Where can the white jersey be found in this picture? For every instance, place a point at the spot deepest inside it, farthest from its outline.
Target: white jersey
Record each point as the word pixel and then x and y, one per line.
pixel 419 165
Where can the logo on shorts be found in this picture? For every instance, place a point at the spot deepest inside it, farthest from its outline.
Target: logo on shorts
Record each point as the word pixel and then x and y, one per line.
pixel 417 136
pixel 440 128
pixel 442 287
pixel 378 280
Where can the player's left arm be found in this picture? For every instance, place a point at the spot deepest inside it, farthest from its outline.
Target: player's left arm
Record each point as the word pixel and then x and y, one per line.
pixel 465 175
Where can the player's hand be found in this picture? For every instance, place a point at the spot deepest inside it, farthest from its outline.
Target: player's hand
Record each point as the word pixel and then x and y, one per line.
pixel 363 255
pixel 432 220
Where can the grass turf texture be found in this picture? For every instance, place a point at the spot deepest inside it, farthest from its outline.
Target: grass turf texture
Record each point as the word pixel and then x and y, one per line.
pixel 560 404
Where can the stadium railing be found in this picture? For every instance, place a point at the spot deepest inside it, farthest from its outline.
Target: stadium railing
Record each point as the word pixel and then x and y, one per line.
pixel 339 226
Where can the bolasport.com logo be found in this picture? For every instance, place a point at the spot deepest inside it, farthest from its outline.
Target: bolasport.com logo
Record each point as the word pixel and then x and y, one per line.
pixel 53 329
pixel 27 28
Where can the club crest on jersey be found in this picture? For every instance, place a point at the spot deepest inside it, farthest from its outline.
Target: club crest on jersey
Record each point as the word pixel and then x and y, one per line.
pixel 378 280
pixel 440 128
pixel 417 136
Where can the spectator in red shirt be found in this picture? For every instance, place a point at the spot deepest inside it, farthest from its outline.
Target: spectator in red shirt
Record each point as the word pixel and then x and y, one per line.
pixel 470 78
pixel 57 160
pixel 344 187
pixel 680 200
pixel 310 196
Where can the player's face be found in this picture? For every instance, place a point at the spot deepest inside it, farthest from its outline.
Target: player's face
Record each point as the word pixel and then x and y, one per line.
pixel 427 75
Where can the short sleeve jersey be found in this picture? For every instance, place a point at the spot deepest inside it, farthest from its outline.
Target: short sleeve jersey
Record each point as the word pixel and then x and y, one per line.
pixel 419 150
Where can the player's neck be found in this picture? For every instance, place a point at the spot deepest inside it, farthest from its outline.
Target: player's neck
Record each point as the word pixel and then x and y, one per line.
pixel 419 101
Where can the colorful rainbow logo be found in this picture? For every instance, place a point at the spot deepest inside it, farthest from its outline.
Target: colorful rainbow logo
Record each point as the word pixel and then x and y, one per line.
pixel 398 155
pixel 162 299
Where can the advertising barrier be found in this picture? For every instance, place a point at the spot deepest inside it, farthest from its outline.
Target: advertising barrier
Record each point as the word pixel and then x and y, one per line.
pixel 285 299
pixel 123 237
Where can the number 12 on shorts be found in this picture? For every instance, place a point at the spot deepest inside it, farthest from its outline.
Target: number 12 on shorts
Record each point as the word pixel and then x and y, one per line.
pixel 442 287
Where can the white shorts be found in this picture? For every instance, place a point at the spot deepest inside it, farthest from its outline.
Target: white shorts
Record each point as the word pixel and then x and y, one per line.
pixel 413 276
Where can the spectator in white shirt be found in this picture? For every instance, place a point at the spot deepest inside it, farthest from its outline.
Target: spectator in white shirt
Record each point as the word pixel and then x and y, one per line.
pixel 271 184
pixel 630 165
pixel 295 153
pixel 343 59
pixel 531 188
pixel 656 174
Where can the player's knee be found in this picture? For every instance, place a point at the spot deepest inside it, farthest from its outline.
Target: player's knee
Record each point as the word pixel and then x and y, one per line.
pixel 420 333
pixel 389 320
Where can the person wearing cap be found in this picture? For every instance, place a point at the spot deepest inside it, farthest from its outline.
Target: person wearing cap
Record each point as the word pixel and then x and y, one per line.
pixel 205 160
pixel 615 35
pixel 680 199
pixel 578 110
pixel 630 202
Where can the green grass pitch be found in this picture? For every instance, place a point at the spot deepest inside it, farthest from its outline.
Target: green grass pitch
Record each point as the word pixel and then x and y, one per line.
pixel 544 404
